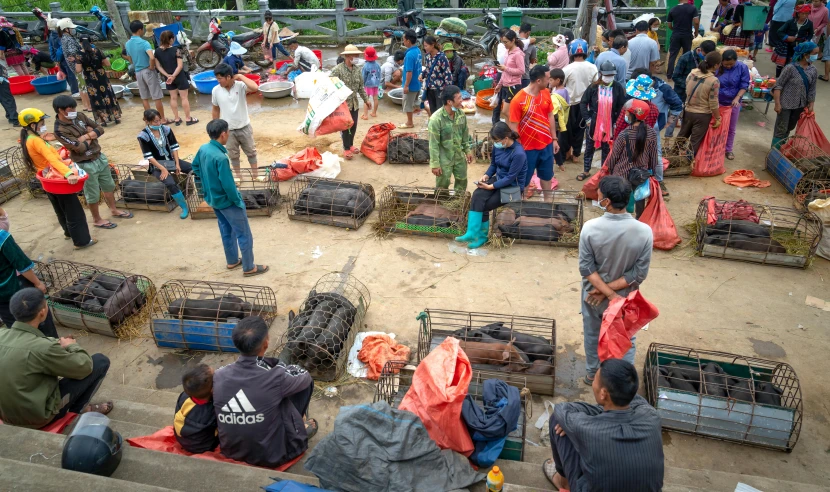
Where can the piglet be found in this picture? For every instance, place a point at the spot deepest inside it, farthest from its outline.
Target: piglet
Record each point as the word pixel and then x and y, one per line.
pixel 494 354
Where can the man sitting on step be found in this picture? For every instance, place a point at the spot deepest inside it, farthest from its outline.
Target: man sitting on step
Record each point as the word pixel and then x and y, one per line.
pixel 261 404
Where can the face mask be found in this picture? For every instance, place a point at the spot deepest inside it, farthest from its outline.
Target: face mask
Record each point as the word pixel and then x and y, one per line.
pixel 655 29
pixel 42 130
pixel 604 44
pixel 607 78
pixel 72 115
pixel 629 119
pixel 498 145
pixel 813 58
pixel 450 55
pixel 155 127
pixel 455 110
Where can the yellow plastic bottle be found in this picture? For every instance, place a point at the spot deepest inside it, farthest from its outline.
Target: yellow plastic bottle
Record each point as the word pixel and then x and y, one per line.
pixel 495 480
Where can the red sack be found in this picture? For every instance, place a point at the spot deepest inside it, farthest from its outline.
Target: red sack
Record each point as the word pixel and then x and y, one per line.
pixel 712 152
pixel 809 129
pixel 338 121
pixel 438 389
pixel 740 210
pixel 376 141
pixel 302 162
pixel 590 188
pixel 657 216
pixel 622 320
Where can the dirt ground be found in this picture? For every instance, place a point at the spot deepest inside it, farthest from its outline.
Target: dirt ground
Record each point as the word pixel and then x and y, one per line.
pixel 735 307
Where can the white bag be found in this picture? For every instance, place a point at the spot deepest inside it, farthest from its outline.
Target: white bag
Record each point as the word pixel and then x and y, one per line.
pixel 331 92
pixel 330 167
pixel 305 84
pixel 821 207
pixel 543 424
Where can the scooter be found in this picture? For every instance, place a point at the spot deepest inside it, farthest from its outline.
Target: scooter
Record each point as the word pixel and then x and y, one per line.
pixel 486 46
pixel 208 58
pixel 104 24
pixel 40 31
pixel 393 35
pixel 81 31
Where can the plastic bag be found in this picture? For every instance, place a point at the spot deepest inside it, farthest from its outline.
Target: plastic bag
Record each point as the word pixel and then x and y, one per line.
pixel 591 187
pixel 712 152
pixel 657 216
pixel 743 178
pixel 622 320
pixel 821 207
pixel 329 93
pixel 437 394
pixel 330 167
pixel 377 350
pixel 643 191
pixel 302 162
pixel 376 142
pixel 339 120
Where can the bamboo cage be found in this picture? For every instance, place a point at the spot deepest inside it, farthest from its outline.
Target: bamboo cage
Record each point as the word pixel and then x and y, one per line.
pixel 678 151
pixel 421 211
pixel 813 185
pixel 332 202
pixel 15 175
pixel 796 156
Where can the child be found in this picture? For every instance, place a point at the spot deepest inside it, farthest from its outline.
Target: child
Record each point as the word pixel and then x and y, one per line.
pixel 371 81
pixel 557 83
pixel 234 59
pixel 759 41
pixel 195 421
pixel 39 59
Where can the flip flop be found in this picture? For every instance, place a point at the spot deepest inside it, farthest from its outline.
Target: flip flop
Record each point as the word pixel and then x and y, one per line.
pixel 192 121
pixel 108 225
pixel 260 269
pixel 583 176
pixel 823 78
pixel 102 408
pixel 124 215
pixel 405 126
pixel 235 265
pixel 178 122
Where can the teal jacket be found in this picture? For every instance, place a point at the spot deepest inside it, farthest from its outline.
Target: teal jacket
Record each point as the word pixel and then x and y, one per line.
pixel 213 171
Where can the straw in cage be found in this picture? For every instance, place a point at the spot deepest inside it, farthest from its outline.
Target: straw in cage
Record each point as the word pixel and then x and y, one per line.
pixel 422 211
pixel 136 325
pixel 780 236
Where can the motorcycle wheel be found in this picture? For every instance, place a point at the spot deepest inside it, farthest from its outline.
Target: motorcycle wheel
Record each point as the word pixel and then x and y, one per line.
pixel 207 59
pixel 258 57
pixel 394 46
pixel 113 37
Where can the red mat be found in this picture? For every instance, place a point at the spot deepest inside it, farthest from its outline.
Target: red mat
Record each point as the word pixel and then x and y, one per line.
pixel 59 425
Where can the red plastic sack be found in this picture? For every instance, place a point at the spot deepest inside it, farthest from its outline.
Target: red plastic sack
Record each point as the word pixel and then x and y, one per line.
pixel 302 162
pixel 740 210
pixel 338 121
pixel 438 389
pixel 712 152
pixel 376 142
pixel 622 320
pixel 744 178
pixel 591 187
pixel 657 216
pixel 377 350
pixel 809 129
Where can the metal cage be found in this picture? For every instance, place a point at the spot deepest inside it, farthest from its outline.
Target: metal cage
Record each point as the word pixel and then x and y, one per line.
pixel 396 379
pixel 14 174
pixel 409 147
pixel 482 145
pixel 140 190
pixel 405 209
pixel 96 299
pixel 201 315
pixel 538 351
pixel 332 202
pixel 724 396
pixel 320 336
pixel 678 151
pixel 796 156
pixel 739 230
pixel 813 185
pixel 551 218
pixel 260 194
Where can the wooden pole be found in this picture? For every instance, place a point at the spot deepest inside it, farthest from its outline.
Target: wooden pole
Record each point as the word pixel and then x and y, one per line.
pixel 117 23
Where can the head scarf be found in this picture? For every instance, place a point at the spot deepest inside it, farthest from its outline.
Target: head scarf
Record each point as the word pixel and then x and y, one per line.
pixel 803 9
pixel 803 50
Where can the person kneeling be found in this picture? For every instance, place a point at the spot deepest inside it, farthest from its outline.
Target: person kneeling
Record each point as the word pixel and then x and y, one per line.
pixel 195 421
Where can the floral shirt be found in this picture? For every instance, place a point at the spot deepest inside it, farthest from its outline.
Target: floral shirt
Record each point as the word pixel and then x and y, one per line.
pixel 71 48
pixel 353 78
pixel 437 71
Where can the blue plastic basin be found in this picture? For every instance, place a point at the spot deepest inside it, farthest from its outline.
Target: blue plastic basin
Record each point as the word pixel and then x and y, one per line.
pixel 48 85
pixel 205 82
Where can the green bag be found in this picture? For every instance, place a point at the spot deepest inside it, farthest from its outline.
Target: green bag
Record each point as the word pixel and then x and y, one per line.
pixel 454 25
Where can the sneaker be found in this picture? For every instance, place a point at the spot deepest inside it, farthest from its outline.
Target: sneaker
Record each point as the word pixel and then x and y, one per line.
pixel 664 189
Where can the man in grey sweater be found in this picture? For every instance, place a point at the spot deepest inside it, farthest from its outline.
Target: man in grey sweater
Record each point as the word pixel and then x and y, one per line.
pixel 614 256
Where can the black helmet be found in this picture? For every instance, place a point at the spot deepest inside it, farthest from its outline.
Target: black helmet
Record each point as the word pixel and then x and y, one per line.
pixel 93 447
pixel 608 68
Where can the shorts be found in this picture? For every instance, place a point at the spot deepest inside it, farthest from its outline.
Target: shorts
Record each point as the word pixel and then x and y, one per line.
pixel 181 82
pixel 540 161
pixel 371 91
pixel 409 101
pixel 508 93
pixel 100 178
pixel 758 46
pixel 244 138
pixel 149 85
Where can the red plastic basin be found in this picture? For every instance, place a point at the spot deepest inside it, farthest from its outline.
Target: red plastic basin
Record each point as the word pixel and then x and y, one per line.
pixel 255 77
pixel 21 84
pixel 60 186
pixel 319 56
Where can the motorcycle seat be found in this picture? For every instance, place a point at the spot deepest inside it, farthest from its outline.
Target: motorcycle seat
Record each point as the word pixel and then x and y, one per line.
pixel 241 38
pixel 470 32
pixel 81 23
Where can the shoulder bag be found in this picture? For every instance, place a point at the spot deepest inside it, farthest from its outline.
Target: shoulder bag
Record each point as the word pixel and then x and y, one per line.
pixel 510 194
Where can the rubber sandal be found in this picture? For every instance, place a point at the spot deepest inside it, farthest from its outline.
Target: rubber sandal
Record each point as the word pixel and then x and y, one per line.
pixel 260 269
pixel 405 126
pixel 92 242
pixel 583 176
pixel 347 154
pixel 102 408
pixel 192 121
pixel 178 122
pixel 108 225
pixel 310 428
pixel 546 466
pixel 234 266
pixel 124 215
pixel 588 381
pixel 823 78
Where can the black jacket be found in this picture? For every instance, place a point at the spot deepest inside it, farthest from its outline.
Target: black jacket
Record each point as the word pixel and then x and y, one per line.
pixel 195 425
pixel 790 28
pixel 590 103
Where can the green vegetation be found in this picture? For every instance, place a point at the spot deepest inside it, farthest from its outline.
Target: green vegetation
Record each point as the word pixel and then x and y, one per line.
pixel 85 5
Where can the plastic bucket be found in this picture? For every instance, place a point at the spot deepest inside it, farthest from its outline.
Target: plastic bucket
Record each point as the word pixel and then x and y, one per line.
pixel 253 76
pixel 319 55
pixel 481 84
pixel 205 82
pixel 21 84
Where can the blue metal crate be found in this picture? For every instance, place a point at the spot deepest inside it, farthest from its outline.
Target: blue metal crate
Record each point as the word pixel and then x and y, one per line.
pixel 783 170
pixel 209 336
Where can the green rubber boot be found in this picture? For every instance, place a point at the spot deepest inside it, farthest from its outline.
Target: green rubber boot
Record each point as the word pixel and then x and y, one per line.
pixel 776 142
pixel 473 226
pixel 482 236
pixel 179 197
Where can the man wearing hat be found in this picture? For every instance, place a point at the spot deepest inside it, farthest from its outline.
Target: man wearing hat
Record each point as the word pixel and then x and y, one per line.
pixel 458 68
pixel 304 58
pixel 350 74
pixel 234 59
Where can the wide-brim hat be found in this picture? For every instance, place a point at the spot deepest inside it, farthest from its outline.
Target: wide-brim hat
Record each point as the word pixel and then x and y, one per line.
pixel 370 54
pixel 448 47
pixel 5 23
pixel 559 40
pixel 640 88
pixel 351 50
pixel 286 34
pixel 237 49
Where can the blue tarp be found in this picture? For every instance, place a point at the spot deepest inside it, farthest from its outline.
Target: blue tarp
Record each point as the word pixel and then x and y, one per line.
pixel 292 486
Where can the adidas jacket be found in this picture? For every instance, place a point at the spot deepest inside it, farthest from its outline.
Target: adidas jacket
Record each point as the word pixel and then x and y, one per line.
pixel 257 424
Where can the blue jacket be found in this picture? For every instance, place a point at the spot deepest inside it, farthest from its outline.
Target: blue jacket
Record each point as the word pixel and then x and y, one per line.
pixel 55 48
pixel 213 170
pixel 509 166
pixel 490 426
pixel 667 101
pixel 731 82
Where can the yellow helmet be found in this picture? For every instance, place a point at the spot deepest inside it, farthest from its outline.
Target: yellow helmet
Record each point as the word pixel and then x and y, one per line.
pixel 30 115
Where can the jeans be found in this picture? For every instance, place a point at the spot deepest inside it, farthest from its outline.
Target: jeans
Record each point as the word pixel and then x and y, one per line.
pixel 658 169
pixel 236 236
pixel 7 101
pixel 71 79
pixel 733 128
pixel 77 393
pixel 281 48
pixel 591 324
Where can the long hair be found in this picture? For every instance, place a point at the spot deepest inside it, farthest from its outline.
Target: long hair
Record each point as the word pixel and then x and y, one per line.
pixel 512 36
pixel 24 134
pixel 639 139
pixel 709 62
pixel 500 131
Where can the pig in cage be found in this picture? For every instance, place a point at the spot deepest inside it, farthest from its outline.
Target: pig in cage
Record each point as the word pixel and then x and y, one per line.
pixel 332 202
pixel 201 315
pixel 724 396
pixel 260 194
pixel 551 218
pixel 678 151
pixel 509 346
pixel 140 190
pixel 796 156
pixel 423 211
pixel 13 173
pixel 320 336
pixel 396 379
pixel 97 299
pixel 766 234
pixel 408 147
pixel 813 189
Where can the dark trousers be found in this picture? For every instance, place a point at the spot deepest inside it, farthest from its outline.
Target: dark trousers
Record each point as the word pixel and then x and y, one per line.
pixel 281 48
pixel 7 101
pixel 348 135
pixel 71 217
pixel 589 151
pixel 572 139
pixel 71 79
pixel 433 100
pixel 48 325
pixel 785 122
pixel 484 201
pixel 565 457
pixel 677 43
pixel 774 26
pixel 505 96
pixel 302 400
pixel 695 126
pixel 77 393
pixel 170 181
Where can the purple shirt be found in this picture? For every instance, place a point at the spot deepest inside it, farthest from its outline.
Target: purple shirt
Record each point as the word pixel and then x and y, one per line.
pixel 731 82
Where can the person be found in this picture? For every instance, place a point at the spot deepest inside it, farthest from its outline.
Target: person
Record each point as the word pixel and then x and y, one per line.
pixel 228 101
pixel 304 58
pixel 760 34
pixel 683 20
pixel 579 75
pixel 215 38
pixel 10 47
pixel 411 70
pixel 819 17
pixel 404 6
pixel 559 95
pixel 261 404
pixel 734 81
pixel 458 68
pixel 56 53
pixel 390 71
pixel 194 422
pixel 371 81
pixel 614 258
pixel 641 88
pixel 614 55
pixel 271 39
pixel 702 108
pixel 635 147
pixel 170 65
pixel 38 155
pixel 158 143
pixel 71 49
pixel 645 53
pixel 350 74
pixel 6 97
pixel 43 378
pixel 508 169
pixel 80 135
pixel 16 273
pixel 234 59
pixel 738 36
pixel 449 142
pixel 91 61
pixel 653 27
pixel 616 444
pixel 790 34
pixel 141 55
pixel 721 17
pixel 795 91
pixel 39 59
pixel 436 74
pixel 782 11
pixel 589 109
pixel 558 58
pixel 688 62
pixel 512 70
pixel 529 50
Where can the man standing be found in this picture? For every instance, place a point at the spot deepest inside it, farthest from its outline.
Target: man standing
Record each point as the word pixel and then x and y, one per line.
pixel 532 117
pixel 411 71
pixel 228 99
pixel 213 172
pixel 261 404
pixel 140 53
pixel 449 142
pixel 683 20
pixel 529 47
pixel 393 65
pixel 31 393
pixel 614 257
pixel 619 45
pixel 579 74
pixel 688 62
pixel 80 135
pixel 644 51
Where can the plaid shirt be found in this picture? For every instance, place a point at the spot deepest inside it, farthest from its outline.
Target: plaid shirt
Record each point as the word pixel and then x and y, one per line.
pixel 685 64
pixel 353 78
pixel 437 71
pixel 449 139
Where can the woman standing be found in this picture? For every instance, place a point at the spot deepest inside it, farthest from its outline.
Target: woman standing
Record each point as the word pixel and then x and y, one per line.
pixel 721 17
pixel 653 27
pixel 512 71
pixel 436 74
pixel 350 74
pixel 158 143
pixel 559 58
pixel 702 108
pixel 795 90
pixel 72 51
pixel 105 106
pixel 170 65
pixel 508 167
pixel 734 81
pixel 819 17
pixel 791 33
pixel 739 37
pixel 10 47
pixel 39 155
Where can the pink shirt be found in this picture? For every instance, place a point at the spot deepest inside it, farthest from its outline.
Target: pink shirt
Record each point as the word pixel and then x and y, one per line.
pixel 559 58
pixel 514 68
pixel 818 16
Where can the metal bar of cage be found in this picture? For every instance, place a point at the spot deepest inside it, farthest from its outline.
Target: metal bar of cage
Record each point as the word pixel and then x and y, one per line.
pixel 13 173
pixel 260 194
pixel 397 206
pixel 678 151
pixel 327 201
pixel 482 145
pixel 402 147
pixel 140 190
pixel 561 209
pixel 794 157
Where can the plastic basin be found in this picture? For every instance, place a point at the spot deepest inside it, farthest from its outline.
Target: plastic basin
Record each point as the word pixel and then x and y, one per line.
pixel 49 85
pixel 21 84
pixel 319 55
pixel 205 82
pixel 119 65
pixel 280 63
pixel 60 186
pixel 481 98
pixel 255 77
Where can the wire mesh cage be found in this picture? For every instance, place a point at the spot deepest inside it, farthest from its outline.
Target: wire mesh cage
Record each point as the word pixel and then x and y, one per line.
pixel 484 336
pixel 408 147
pixel 320 336
pixel 97 299
pixel 331 201
pixel 739 230
pixel 724 396
pixel 813 185
pixel 678 151
pixel 482 145
pixel 396 379
pixel 201 315
pixel 260 195
pixel 14 174
pixel 552 218
pixel 115 172
pixel 423 211
pixel 796 156
pixel 139 190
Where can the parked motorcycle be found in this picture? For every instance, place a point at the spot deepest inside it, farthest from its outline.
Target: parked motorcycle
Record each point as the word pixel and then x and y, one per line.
pixel 82 31
pixel 104 24
pixel 393 35
pixel 40 31
pixel 23 28
pixel 486 46
pixel 208 58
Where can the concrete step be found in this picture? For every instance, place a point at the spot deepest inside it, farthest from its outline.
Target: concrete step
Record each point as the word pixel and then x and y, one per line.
pixel 24 476
pixel 128 430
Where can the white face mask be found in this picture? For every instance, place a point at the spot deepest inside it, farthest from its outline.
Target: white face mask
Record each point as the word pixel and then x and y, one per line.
pixel 72 115
pixel 607 78
pixel 43 130
pixel 655 29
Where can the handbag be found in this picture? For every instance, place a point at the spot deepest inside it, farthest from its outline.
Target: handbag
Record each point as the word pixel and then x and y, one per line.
pixel 510 194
